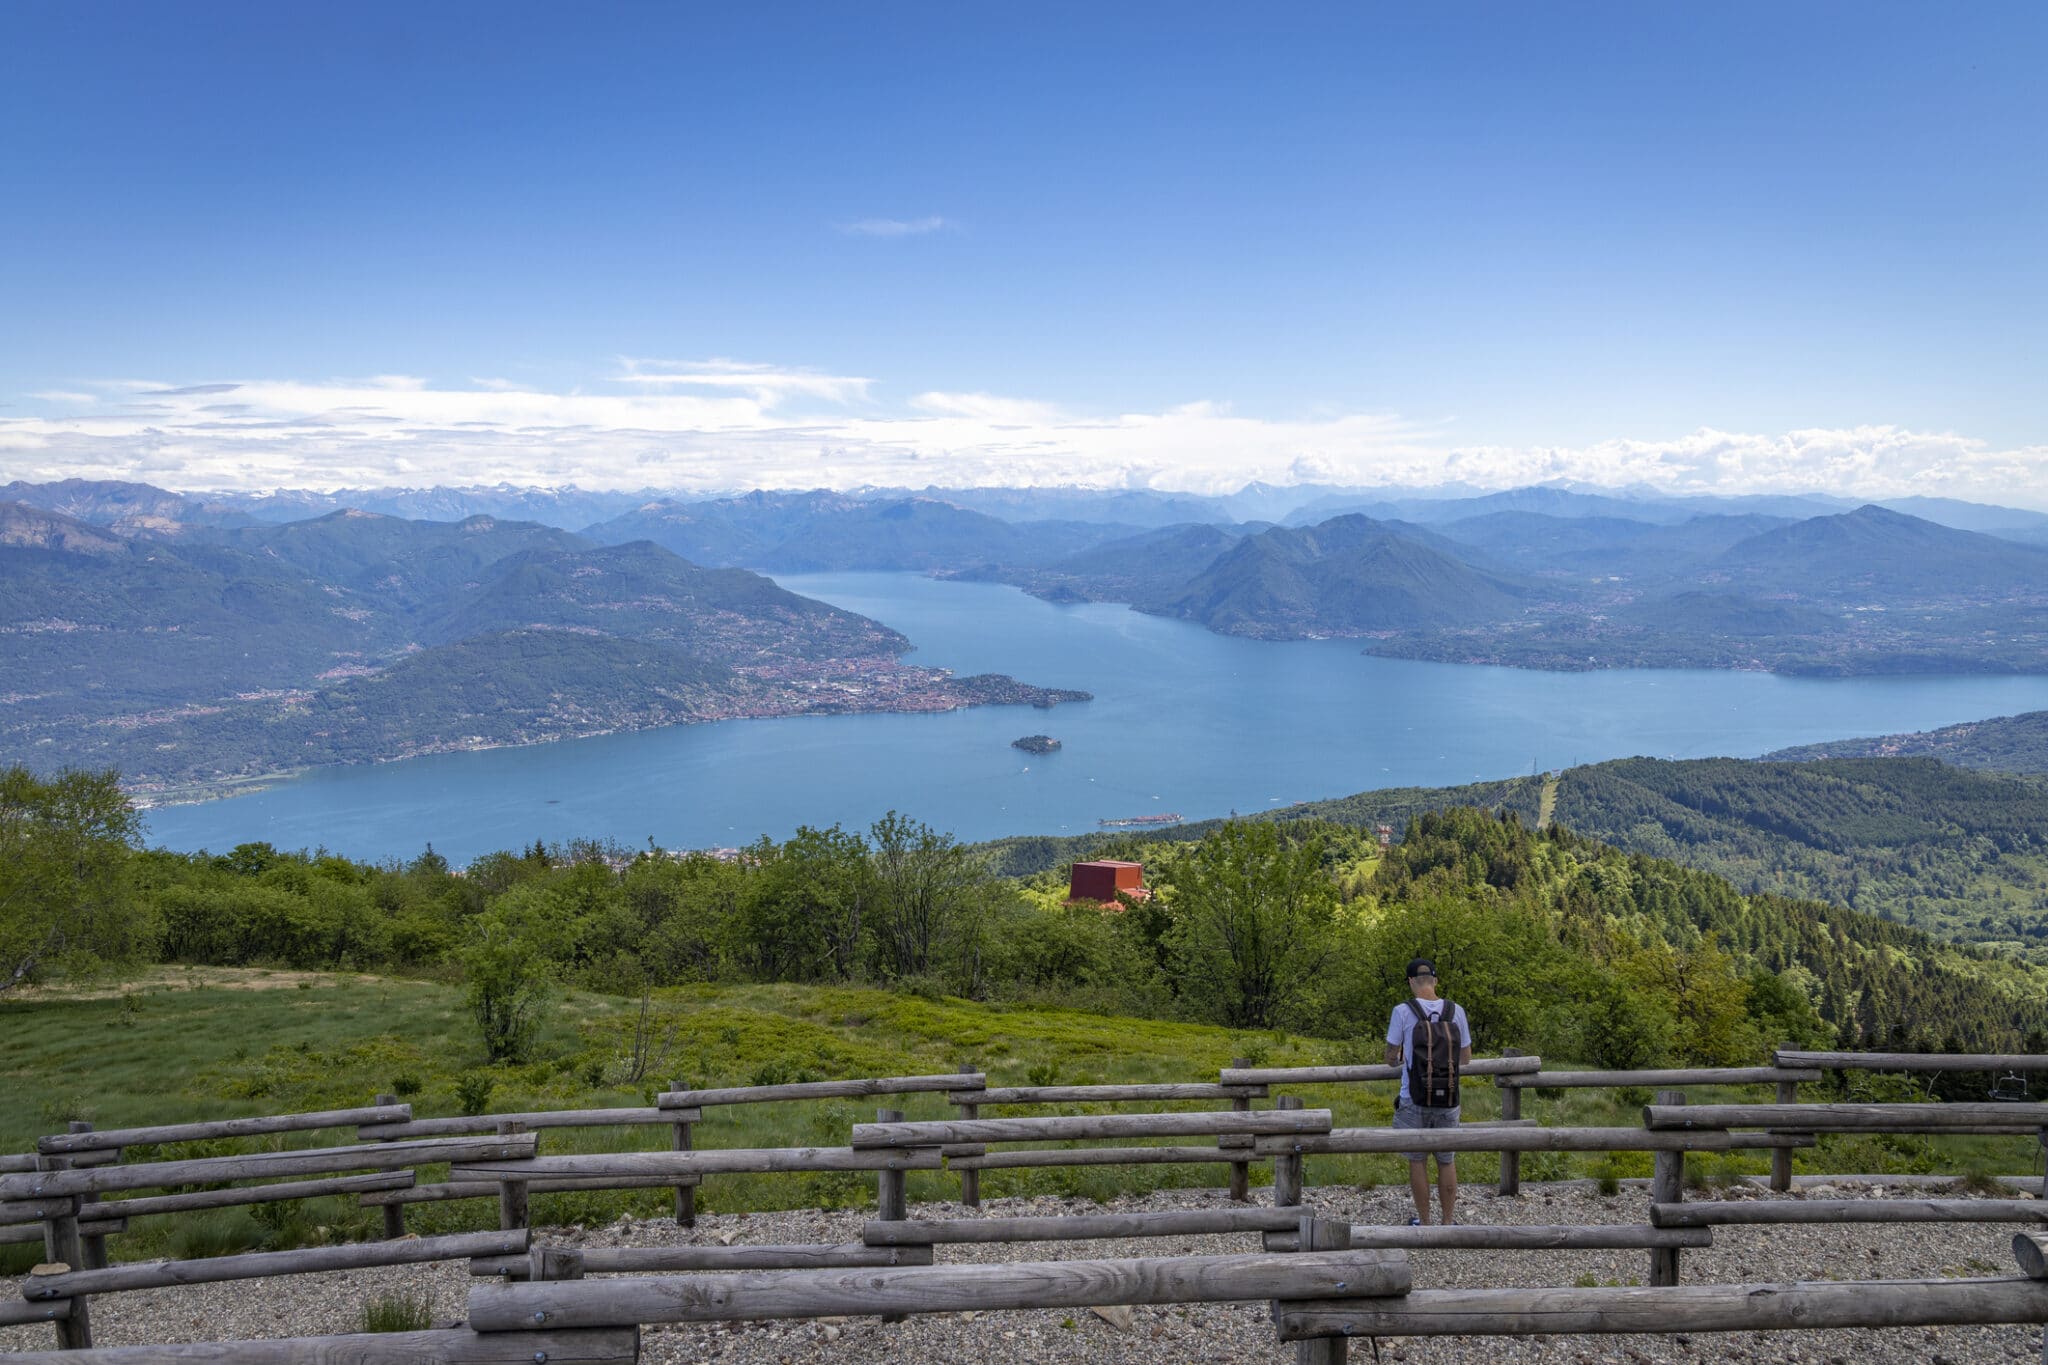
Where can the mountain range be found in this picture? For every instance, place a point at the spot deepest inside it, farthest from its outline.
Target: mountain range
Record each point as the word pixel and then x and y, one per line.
pixel 1869 590
pixel 139 617
pixel 190 654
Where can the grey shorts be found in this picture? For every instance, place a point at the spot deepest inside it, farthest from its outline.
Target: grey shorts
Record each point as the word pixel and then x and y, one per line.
pixel 1421 1116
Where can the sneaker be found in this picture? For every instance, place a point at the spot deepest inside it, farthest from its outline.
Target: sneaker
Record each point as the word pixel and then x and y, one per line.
pixel 1414 1222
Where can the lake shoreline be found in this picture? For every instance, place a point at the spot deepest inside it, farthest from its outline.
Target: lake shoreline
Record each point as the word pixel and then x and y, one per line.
pixel 1182 719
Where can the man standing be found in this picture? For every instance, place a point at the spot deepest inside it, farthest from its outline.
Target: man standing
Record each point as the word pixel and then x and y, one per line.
pixel 1430 1040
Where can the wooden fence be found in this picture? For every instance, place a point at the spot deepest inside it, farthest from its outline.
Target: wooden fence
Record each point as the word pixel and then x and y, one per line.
pixel 1326 1280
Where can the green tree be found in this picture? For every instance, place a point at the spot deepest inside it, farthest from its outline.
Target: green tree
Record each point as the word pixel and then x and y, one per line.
pixel 1252 926
pixel 510 975
pixel 931 897
pixel 808 908
pixel 65 845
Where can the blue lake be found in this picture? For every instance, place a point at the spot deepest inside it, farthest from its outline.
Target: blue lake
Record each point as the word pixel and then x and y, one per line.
pixel 1182 720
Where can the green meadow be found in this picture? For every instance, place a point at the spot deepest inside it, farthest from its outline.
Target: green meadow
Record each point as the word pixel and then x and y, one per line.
pixel 186 1044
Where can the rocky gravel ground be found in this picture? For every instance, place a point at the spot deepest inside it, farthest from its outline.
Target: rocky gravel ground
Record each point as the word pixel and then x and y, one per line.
pixel 332 1303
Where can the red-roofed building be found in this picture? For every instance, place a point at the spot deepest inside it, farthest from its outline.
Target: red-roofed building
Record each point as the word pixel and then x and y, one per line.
pixel 1100 883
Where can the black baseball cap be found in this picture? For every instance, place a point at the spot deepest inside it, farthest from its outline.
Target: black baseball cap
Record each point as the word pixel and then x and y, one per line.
pixel 1421 966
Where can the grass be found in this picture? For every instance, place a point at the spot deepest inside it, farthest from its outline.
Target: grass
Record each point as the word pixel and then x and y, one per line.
pixel 398 1312
pixel 168 1051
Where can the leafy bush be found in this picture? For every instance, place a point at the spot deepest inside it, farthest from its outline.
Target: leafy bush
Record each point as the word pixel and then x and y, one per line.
pixel 405 1085
pixel 473 1091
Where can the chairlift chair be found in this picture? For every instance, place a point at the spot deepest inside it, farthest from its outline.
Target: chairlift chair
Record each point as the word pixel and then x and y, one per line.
pixel 2011 1088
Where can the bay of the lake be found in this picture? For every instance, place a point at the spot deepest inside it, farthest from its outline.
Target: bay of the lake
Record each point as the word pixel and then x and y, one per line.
pixel 1183 720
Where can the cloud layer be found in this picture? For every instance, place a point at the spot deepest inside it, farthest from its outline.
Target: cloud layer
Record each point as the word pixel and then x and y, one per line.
pixel 716 425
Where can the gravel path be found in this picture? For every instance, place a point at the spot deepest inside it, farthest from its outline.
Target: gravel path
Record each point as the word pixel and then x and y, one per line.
pixel 316 1304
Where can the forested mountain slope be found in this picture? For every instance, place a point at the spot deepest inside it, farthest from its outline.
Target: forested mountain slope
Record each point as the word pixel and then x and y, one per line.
pixel 1961 855
pixel 210 655
pixel 2008 744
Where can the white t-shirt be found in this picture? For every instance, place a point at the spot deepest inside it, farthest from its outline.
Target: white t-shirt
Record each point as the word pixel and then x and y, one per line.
pixel 1401 1032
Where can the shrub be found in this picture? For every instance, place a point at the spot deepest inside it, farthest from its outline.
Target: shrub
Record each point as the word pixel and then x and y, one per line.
pixel 405 1085
pixel 473 1091
pixel 398 1312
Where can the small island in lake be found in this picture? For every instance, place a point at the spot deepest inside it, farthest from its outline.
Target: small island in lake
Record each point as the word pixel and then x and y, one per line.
pixel 1036 744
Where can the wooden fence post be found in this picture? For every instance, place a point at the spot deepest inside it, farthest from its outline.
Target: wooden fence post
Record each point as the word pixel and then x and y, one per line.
pixel 1667 1186
pixel 1287 1167
pixel 92 1249
pixel 394 1213
pixel 970 1181
pixel 511 1193
pixel 686 1195
pixel 554 1263
pixel 1510 1108
pixel 892 1201
pixel 62 1245
pixel 1781 1157
pixel 1240 1171
pixel 1323 1234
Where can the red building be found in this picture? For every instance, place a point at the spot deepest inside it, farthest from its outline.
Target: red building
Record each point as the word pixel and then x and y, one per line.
pixel 1100 882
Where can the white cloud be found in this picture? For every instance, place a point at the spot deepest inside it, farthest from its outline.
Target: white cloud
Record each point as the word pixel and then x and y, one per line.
pixel 767 383
pixel 895 227
pixel 63 396
pixel 722 424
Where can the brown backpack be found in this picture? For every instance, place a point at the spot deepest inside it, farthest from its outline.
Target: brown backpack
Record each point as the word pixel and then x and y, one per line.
pixel 1433 1058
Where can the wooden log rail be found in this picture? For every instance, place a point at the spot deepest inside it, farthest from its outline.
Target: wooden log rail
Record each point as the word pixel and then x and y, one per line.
pixel 1339 1075
pixel 22 1313
pixel 2031 1250
pixel 1673 1308
pixel 445 1190
pixel 936 1289
pixel 1846 1118
pixel 65 1144
pixel 1084 1127
pixel 455 1346
pixel 1162 1093
pixel 1524 1237
pixel 1651 1080
pixel 1282 1223
pixel 652 1260
pixel 820 1090
pixel 1235 1157
pixel 234 1196
pixel 1748 1211
pixel 458 1124
pixel 1079 1227
pixel 1505 1138
pixel 72 1284
pixel 711 1161
pixel 311 1161
pixel 25 1235
pixel 1914 1061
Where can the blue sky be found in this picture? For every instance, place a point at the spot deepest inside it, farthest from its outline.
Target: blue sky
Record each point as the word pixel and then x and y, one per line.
pixel 1728 245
